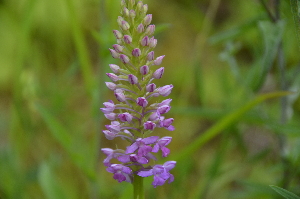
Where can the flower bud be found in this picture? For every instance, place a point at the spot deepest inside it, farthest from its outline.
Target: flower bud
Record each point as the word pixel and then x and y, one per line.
pixel 111 116
pixel 167 122
pixel 124 59
pixel 125 12
pixel 150 87
pixel 114 54
pixel 139 5
pixel 127 39
pixel 117 34
pixel 150 56
pixel 147 20
pixel 158 73
pixel 165 90
pixel 152 42
pixel 165 102
pixel 120 96
pixel 115 68
pixel 144 70
pixel 111 86
pixel 149 125
pixel 132 13
pixel 118 48
pixel 141 101
pixel 158 60
pixel 125 25
pixel 145 41
pixel 163 109
pixel 132 79
pixel 125 117
pixel 150 30
pixel 132 2
pixel 136 52
pixel 119 20
pixel 154 116
pixel 145 8
pixel 123 3
pixel 113 77
pixel 109 135
pixel 140 28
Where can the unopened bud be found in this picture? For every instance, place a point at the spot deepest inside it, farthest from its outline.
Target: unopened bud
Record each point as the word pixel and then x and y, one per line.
pixel 158 60
pixel 147 20
pixel 152 42
pixel 149 125
pixel 114 54
pixel 165 90
pixel 150 56
pixel 113 77
pixel 127 39
pixel 117 34
pixel 139 5
pixel 136 52
pixel 111 116
pixel 150 87
pixel 125 25
pixel 119 20
pixel 111 86
pixel 124 59
pixel 120 96
pixel 118 48
pixel 125 12
pixel 150 30
pixel 123 3
pixel 132 13
pixel 144 70
pixel 115 68
pixel 141 101
pixel 145 41
pixel 158 73
pixel 145 8
pixel 132 79
pixel 140 28
pixel 125 117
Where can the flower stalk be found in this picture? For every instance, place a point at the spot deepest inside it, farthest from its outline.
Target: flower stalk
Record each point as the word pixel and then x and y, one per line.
pixel 137 112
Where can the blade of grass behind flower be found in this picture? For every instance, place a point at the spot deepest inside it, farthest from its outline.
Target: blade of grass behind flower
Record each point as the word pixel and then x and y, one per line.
pixel 224 123
pixel 284 193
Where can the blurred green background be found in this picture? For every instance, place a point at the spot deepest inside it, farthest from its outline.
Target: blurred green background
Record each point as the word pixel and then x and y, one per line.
pixel 232 140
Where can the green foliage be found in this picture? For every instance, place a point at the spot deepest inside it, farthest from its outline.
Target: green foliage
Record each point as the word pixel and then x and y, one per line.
pixel 284 193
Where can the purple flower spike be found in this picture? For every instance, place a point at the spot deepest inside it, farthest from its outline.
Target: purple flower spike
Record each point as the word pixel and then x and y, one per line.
pixel 144 70
pixel 145 41
pixel 161 144
pixel 165 90
pixel 164 109
pixel 136 52
pixel 150 56
pixel 127 39
pixel 125 117
pixel 149 125
pixel 120 96
pixel 124 59
pixel 140 28
pixel 111 85
pixel 147 20
pixel 117 34
pixel 158 60
pixel 115 68
pixel 121 173
pixel 132 79
pixel 112 76
pixel 118 48
pixel 150 87
pixel 158 73
pixel 114 54
pixel 141 101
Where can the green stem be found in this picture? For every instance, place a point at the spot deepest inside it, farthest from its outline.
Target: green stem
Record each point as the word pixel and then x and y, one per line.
pixel 138 187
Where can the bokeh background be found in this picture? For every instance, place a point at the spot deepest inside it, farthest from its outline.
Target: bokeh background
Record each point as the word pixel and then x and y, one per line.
pixel 228 61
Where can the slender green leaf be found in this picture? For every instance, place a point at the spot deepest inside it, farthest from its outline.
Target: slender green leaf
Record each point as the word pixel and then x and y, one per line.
pixel 225 123
pixel 284 193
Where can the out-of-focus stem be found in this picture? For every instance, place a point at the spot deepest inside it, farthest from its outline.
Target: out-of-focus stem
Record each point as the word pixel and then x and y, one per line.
pixel 138 187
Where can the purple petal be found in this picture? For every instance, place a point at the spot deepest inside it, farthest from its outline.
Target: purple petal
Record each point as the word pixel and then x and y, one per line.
pixel 158 181
pixel 132 148
pixel 169 165
pixel 119 177
pixel 155 148
pixel 124 158
pixel 165 151
pixel 143 160
pixel 150 140
pixel 171 128
pixel 145 173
